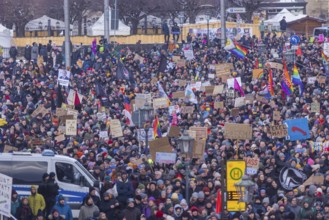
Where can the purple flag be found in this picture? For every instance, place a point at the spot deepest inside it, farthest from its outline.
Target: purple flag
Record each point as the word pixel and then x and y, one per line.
pixel 238 87
pixel 94 46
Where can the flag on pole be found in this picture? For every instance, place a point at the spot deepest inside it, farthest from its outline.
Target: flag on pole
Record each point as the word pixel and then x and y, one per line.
pixel 324 57
pixel 270 82
pixel 297 80
pixel 237 87
pixel 163 94
pixel 190 95
pixel 156 128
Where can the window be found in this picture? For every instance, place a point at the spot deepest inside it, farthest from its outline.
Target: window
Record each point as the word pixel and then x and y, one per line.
pixel 319 31
pixel 24 172
pixel 67 173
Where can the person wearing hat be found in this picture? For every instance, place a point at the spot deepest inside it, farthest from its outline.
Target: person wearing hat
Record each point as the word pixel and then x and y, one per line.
pixel 131 212
pixel 15 203
pixel 24 211
pixel 109 205
pixel 62 208
pixel 88 209
pixel 178 211
pixel 153 191
pixel 51 192
pixel 36 201
pixel 55 215
pixel 124 188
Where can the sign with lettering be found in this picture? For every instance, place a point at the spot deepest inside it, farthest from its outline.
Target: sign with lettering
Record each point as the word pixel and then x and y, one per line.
pixel 315 107
pixel 252 165
pixel 201 132
pixel 71 127
pixel 238 131
pixel 160 103
pixel 6 183
pixel 276 115
pixel 279 131
pixel 218 89
pixel 187 109
pixel 218 105
pixel 116 129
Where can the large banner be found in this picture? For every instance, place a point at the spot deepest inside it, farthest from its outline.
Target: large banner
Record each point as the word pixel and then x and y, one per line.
pixel 216 32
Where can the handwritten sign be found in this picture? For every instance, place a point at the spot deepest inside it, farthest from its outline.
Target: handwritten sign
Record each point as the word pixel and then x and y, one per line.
pixel 159 145
pixel 237 131
pixel 275 65
pixel 257 73
pixel 181 83
pixel 218 89
pixel 6 184
pixel 116 129
pixel 73 112
pixel 178 95
pixel 279 131
pixel 160 103
pixel 60 138
pixel 165 158
pixel 315 107
pixel 209 90
pixel 252 165
pixel 37 111
pixel 199 148
pixel 60 112
pixel 218 105
pixel 311 80
pixel 187 109
pixel 201 132
pixel 276 115
pixel 71 127
pixel 239 102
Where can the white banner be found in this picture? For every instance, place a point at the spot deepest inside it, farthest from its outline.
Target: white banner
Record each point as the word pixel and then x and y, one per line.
pixel 6 183
pixel 166 158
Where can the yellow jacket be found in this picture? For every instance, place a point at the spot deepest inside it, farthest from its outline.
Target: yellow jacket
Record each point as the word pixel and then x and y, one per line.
pixel 36 202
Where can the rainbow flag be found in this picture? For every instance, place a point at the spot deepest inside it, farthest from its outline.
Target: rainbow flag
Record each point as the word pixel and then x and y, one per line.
pixel 286 84
pixel 324 57
pixel 270 83
pixel 297 80
pixel 156 128
pixel 239 51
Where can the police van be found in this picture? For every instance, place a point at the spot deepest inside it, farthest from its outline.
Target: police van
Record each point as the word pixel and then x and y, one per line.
pixel 27 169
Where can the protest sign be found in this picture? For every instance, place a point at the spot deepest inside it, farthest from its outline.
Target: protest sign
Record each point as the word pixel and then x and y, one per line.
pixel 101 116
pixel 116 129
pixel 174 131
pixel 218 89
pixel 174 109
pixel 181 63
pixel 181 83
pixel 209 90
pixel 165 158
pixel 189 55
pixel 6 184
pixel 252 165
pixel 9 148
pixel 276 115
pixel 38 110
pixel 73 112
pixel 196 86
pixel 60 138
pixel 311 80
pixel 63 119
pixel 275 65
pixel 298 129
pixel 147 97
pixel 230 93
pixel 218 105
pixel 237 131
pixel 61 129
pixel 314 180
pixel 103 134
pixel 192 134
pixel 160 103
pixel 159 145
pixel 278 131
pixel 60 112
pixel 230 82
pixel 239 102
pixel 321 79
pixel 261 99
pixel 71 127
pixel 201 132
pixel 71 97
pixel 248 98
pixel 315 107
pixel 199 148
pixel 187 109
pixel 176 58
pixel 141 135
pixel 257 73
pixel 178 95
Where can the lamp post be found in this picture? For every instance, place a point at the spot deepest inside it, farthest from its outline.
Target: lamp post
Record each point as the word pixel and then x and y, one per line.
pixel 245 189
pixel 223 23
pixel 208 18
pixel 67 33
pixel 261 51
pixel 141 118
pixel 181 21
pixel 185 145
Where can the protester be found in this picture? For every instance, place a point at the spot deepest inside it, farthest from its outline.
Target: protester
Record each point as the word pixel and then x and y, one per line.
pixel 36 202
pixel 62 208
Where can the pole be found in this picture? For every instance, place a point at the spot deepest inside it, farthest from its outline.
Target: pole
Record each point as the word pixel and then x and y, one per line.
pixel 116 25
pixel 67 33
pixel 49 28
pixel 187 184
pixel 106 20
pixel 146 136
pixel 223 185
pixel 208 31
pixel 222 23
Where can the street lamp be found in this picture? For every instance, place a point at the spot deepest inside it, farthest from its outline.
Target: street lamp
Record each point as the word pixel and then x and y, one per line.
pixel 245 188
pixel 181 21
pixel 185 145
pixel 208 19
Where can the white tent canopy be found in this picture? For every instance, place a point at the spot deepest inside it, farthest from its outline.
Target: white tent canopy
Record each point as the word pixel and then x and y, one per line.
pixel 5 37
pixel 42 24
pixel 275 21
pixel 97 29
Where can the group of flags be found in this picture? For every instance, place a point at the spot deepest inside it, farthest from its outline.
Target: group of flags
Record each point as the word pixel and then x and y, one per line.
pixel 236 49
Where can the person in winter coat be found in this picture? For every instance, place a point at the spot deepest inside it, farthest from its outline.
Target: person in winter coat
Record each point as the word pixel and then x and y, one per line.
pixel 52 192
pixel 34 52
pixel 124 188
pixel 283 24
pixel 178 210
pixel 27 52
pixel 24 212
pixel 294 207
pixel 175 30
pixel 131 212
pixel 88 209
pixel 42 189
pixel 36 201
pixel 165 31
pixel 306 212
pixel 55 215
pixel 15 203
pixel 62 208
pixel 109 206
pixel 13 52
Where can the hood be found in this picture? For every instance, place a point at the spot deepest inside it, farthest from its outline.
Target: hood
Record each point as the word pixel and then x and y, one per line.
pixel 60 197
pixel 178 206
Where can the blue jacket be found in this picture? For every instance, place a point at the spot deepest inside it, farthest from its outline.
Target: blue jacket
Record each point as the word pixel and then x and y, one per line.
pixel 63 210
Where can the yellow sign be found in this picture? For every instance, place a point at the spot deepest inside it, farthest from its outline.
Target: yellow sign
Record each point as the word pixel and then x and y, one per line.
pixel 234 172
pixel 236 206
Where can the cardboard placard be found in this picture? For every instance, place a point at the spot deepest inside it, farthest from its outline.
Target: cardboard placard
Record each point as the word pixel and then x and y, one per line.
pixel 314 180
pixel 192 134
pixel 61 129
pixel 201 132
pixel 73 112
pixel 178 95
pixel 257 73
pixel 321 79
pixel 37 111
pixel 116 129
pixel 235 112
pixel 182 83
pixel 176 58
pixel 279 131
pixel 181 63
pixel 63 119
pixel 276 115
pixel 252 165
pixel 209 90
pixel 165 158
pixel 37 142
pixel 146 97
pixel 238 131
pixel 60 138
pixel 218 105
pixel 262 99
pixel 315 107
pixel 9 148
pixel 275 65
pixel 187 109
pixel 199 148
pixel 174 131
pixel 238 102
pixel 71 127
pixel 218 89
pixel 60 112
pixel 160 103
pixel 248 98
pixel 311 80
pixel 103 134
pixel 159 145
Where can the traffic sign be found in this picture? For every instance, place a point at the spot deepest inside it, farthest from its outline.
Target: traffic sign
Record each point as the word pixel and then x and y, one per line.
pixel 234 172
pixel 236 10
pixel 294 40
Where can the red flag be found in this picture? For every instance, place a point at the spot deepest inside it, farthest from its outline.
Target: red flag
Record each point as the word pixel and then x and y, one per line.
pixel 256 66
pixel 127 107
pixel 299 51
pixel 76 99
pixel 219 202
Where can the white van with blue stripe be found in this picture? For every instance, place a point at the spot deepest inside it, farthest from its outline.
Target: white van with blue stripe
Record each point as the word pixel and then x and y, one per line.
pixel 27 169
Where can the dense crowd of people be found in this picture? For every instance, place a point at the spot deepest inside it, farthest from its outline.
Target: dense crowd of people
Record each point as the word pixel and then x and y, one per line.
pixel 156 191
